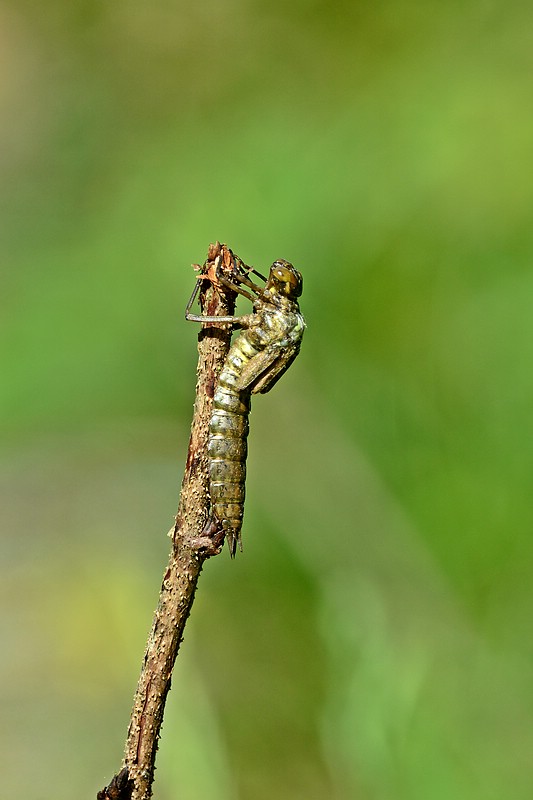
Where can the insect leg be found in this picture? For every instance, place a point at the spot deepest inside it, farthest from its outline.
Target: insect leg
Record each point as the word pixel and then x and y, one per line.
pixel 245 281
pixel 193 298
pixel 237 322
pixel 240 322
pixel 258 274
pixel 244 269
pixel 241 277
pixel 235 288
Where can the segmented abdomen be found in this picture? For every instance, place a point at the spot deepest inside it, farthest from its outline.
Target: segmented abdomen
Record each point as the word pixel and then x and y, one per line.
pixel 228 431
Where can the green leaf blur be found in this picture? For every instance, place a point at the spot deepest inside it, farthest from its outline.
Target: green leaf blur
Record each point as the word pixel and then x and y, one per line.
pixel 373 640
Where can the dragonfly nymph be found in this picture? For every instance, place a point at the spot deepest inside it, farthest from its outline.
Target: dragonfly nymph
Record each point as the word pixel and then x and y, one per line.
pixel 258 357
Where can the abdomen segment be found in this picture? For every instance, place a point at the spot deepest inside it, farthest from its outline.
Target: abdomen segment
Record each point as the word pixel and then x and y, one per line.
pixel 228 431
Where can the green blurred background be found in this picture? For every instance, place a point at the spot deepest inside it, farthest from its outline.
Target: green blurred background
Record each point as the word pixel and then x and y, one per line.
pixel 374 640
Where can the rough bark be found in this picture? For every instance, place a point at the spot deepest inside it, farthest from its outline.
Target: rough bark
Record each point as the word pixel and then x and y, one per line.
pixel 194 539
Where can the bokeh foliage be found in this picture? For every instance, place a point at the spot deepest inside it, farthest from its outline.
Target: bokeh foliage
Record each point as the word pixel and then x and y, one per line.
pixel 373 641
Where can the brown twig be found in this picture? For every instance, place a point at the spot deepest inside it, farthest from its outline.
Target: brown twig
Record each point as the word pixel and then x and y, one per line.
pixel 194 539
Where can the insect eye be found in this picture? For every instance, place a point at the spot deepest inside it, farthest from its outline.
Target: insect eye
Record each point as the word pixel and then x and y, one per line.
pixel 296 284
pixel 284 273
